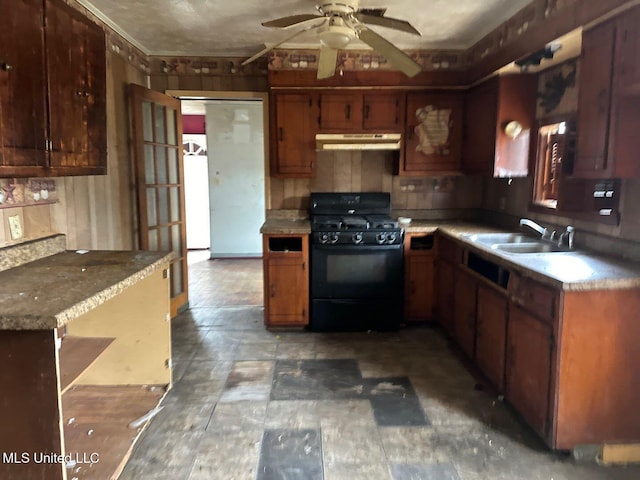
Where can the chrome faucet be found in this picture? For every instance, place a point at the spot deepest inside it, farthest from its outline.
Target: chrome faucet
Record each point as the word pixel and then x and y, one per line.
pixel 568 234
pixel 525 222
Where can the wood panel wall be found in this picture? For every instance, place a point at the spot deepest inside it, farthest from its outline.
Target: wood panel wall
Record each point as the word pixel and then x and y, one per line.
pixel 213 83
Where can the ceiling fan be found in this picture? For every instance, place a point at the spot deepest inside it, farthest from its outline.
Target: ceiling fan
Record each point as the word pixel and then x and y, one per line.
pixel 340 22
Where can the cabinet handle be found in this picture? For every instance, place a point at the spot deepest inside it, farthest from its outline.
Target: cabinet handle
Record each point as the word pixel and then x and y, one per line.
pixel 273 290
pixel 366 112
pixel 303 265
pixel 280 134
pixel 7 66
pixel 348 112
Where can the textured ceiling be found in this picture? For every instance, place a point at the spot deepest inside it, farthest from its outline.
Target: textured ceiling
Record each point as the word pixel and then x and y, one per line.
pixel 232 28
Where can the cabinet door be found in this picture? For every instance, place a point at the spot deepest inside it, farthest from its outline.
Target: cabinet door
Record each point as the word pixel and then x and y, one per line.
pixel 491 333
pixel 294 142
pixel 528 372
pixel 341 112
pixel 464 311
pixel 434 134
pixel 479 138
pixel 22 88
pixel 594 101
pixel 77 68
pixel 419 277
pixel 382 112
pixel 287 289
pixel 444 293
pixel 628 52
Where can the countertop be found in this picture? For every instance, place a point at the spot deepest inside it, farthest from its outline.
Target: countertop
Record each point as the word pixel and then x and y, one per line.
pixel 49 292
pixel 286 226
pixel 572 271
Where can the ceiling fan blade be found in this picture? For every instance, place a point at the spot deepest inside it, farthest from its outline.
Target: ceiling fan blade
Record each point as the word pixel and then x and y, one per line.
pixel 285 22
pixel 276 45
pixel 327 62
pixel 381 21
pixel 393 54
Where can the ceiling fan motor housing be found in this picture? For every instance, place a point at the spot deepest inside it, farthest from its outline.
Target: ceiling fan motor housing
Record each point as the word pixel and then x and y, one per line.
pixel 345 7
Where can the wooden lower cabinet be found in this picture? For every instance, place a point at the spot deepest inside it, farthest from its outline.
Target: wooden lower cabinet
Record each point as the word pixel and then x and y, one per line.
pixel 419 274
pixel 491 332
pixel 444 294
pixel 529 349
pixel 286 280
pixel 464 310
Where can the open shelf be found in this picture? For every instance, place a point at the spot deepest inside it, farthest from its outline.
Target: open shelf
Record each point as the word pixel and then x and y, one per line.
pixel 101 417
pixel 77 354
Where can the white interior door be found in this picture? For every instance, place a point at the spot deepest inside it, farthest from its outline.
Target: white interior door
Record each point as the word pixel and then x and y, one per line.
pixel 196 191
pixel 235 149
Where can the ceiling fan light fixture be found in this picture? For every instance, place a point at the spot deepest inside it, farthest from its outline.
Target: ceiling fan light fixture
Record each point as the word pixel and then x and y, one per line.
pixel 336 36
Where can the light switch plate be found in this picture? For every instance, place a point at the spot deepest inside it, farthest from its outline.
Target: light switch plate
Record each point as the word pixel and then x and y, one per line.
pixel 15 227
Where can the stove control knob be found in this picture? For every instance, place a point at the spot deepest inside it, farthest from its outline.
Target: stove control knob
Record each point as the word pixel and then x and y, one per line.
pixel 391 237
pixel 333 237
pixel 357 237
pixel 381 238
pixel 323 237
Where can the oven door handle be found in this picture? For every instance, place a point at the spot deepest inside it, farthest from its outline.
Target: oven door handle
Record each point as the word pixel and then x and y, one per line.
pixel 355 248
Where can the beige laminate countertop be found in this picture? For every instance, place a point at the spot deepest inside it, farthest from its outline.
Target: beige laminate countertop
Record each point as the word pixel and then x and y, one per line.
pixel 573 270
pixel 49 292
pixel 286 226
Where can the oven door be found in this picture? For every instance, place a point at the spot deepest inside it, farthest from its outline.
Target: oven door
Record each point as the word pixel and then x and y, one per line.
pixel 356 271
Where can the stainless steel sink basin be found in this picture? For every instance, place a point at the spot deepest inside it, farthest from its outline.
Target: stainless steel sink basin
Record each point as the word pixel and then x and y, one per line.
pixel 529 247
pixel 500 238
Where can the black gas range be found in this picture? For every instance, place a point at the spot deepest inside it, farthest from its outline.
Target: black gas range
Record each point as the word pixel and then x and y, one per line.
pixel 356 263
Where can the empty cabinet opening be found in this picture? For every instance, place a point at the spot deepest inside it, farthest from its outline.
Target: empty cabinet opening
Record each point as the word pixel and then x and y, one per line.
pixel 422 242
pixel 489 270
pixel 285 244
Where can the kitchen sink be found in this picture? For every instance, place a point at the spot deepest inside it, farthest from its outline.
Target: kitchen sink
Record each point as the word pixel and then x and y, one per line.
pixel 528 247
pixel 500 238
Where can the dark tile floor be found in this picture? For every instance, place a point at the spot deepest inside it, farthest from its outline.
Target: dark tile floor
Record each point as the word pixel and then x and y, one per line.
pixel 253 404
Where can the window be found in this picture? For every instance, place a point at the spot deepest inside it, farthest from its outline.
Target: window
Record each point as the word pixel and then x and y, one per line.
pixel 555 190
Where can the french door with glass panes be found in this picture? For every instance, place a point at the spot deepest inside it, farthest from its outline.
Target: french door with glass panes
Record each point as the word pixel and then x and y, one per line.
pixel 159 173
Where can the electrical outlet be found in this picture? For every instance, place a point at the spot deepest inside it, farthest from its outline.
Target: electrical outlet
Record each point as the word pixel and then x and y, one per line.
pixel 15 227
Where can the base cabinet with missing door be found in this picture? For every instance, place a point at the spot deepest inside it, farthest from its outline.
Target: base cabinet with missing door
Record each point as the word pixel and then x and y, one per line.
pixel 419 274
pixel 286 280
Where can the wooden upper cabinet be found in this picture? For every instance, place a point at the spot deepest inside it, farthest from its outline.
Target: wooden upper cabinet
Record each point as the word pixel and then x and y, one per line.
pixel 358 111
pixel 341 112
pixel 489 107
pixel 52 91
pixel 594 100
pixel 77 71
pixel 433 134
pixel 609 99
pixel 628 53
pixel 294 138
pixel 23 127
pixel 383 112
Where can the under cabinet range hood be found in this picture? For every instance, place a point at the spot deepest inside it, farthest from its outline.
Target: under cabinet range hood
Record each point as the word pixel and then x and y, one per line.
pixel 358 141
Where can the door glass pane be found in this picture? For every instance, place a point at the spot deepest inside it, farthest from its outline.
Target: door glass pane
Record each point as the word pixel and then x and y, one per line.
pixel 159 124
pixel 161 157
pixel 171 127
pixel 163 205
pixel 164 239
pixel 176 239
pixel 153 239
pixel 149 165
pixel 147 122
pixel 176 278
pixel 174 195
pixel 152 215
pixel 173 165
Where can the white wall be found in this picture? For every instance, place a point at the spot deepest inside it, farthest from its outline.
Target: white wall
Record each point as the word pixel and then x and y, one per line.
pixel 235 148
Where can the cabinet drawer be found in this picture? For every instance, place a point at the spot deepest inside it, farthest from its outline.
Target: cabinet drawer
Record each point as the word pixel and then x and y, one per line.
pixel 538 299
pixel 449 250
